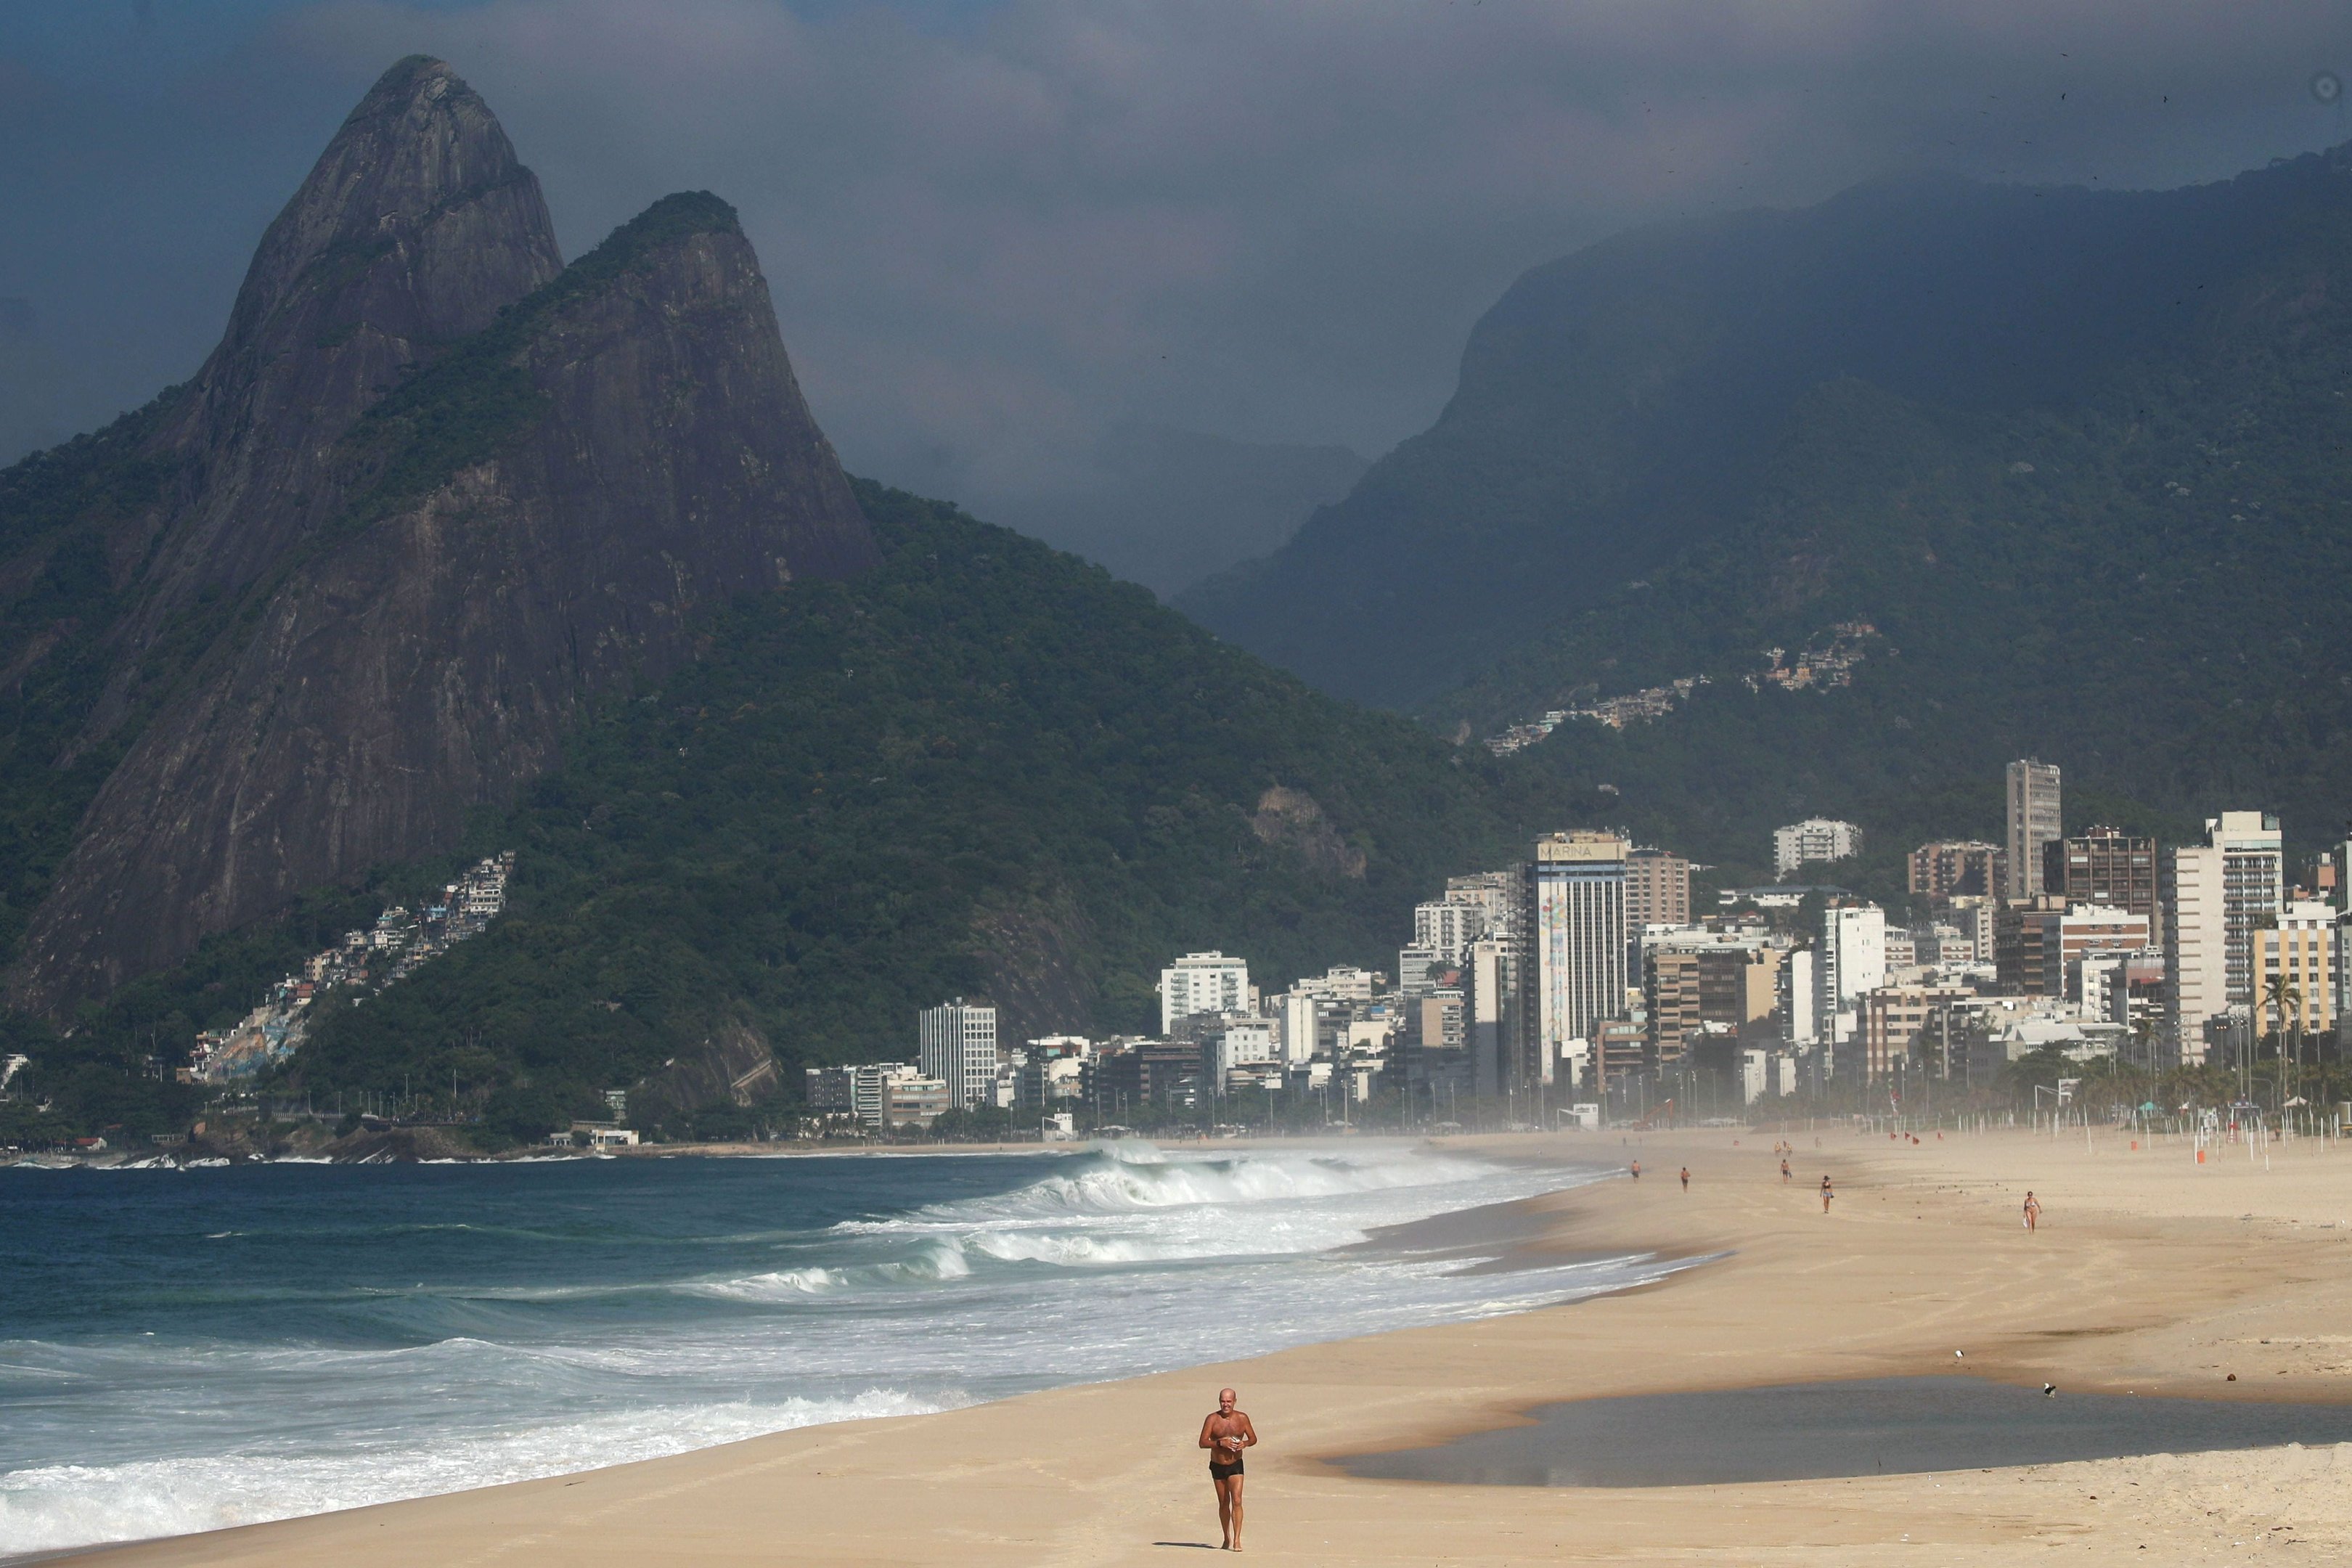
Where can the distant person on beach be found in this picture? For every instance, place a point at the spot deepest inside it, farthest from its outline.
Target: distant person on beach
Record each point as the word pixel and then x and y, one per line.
pixel 1784 1170
pixel 1226 1433
pixel 2032 1212
pixel 1686 1178
pixel 1826 1194
pixel 1637 1170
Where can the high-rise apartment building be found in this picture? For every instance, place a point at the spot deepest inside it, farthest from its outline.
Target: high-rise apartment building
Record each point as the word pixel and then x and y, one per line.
pixel 1965 869
pixel 2107 867
pixel 2039 944
pixel 1686 985
pixel 1797 990
pixel 1303 1028
pixel 1670 998
pixel 1575 961
pixel 2195 945
pixel 1494 894
pixel 1446 927
pixel 1850 957
pixel 2300 962
pixel 2033 821
pixel 2254 887
pixel 1490 996
pixel 1203 983
pixel 957 1047
pixel 1815 838
pixel 1898 1023
pixel 1657 888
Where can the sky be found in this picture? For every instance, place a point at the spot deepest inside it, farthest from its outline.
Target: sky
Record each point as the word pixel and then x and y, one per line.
pixel 995 230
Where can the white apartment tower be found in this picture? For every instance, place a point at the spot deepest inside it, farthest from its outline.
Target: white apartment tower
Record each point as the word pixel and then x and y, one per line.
pixel 2195 945
pixel 1576 960
pixel 2033 821
pixel 1203 983
pixel 1799 991
pixel 1302 1024
pixel 1851 959
pixel 1446 929
pixel 1815 838
pixel 958 1045
pixel 2254 888
pixel 1490 981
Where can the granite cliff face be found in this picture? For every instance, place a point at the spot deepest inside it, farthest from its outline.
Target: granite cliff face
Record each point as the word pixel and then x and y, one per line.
pixel 415 229
pixel 432 493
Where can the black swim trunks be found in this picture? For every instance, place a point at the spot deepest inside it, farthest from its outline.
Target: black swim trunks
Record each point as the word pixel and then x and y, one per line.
pixel 1218 1472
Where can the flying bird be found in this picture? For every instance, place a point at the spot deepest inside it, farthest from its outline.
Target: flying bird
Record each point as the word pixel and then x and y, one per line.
pixel 2049 1391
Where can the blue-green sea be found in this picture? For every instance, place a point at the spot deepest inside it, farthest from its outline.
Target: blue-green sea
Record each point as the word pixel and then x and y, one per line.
pixel 182 1350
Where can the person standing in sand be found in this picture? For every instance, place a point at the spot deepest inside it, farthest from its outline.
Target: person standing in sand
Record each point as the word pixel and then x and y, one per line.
pixel 1226 1433
pixel 1686 1178
pixel 1784 1170
pixel 1827 1194
pixel 1637 1170
pixel 2032 1212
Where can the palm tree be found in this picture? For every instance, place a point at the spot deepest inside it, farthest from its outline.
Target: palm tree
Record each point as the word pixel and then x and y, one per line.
pixel 2279 994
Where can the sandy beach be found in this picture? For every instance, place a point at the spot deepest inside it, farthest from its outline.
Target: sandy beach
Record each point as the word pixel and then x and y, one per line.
pixel 2151 1274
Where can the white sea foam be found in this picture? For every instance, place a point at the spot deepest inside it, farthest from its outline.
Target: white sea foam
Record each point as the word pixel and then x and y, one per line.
pixel 775 1285
pixel 55 1507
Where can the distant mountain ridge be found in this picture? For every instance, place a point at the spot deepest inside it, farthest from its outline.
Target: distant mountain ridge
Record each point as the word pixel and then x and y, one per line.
pixel 1640 400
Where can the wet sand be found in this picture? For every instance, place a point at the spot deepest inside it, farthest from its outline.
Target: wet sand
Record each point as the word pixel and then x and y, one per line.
pixel 2152 1275
pixel 1858 1426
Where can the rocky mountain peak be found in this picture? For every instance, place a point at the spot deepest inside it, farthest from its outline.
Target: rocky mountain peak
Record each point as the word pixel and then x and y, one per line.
pixel 415 228
pixel 417 221
pixel 451 493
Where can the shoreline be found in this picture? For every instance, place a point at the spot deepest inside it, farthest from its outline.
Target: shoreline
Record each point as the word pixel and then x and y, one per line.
pixel 528 1155
pixel 2152 1275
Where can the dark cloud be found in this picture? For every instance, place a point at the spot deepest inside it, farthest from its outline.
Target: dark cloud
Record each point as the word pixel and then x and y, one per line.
pixel 993 230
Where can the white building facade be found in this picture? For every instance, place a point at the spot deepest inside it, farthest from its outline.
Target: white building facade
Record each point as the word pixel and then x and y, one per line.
pixel 1446 930
pixel 1852 960
pixel 1203 983
pixel 2195 945
pixel 2253 889
pixel 957 1045
pixel 1577 946
pixel 1815 838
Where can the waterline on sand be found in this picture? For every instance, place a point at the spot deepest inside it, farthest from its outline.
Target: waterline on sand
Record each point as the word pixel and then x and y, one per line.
pixel 300 1339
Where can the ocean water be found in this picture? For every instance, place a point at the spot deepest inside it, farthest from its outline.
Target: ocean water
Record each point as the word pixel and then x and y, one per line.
pixel 187 1350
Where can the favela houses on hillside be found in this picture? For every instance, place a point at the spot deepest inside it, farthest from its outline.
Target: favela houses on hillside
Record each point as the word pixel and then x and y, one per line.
pixel 362 963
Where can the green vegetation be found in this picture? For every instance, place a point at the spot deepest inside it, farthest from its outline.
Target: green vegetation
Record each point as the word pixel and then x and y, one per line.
pixel 57 602
pixel 983 767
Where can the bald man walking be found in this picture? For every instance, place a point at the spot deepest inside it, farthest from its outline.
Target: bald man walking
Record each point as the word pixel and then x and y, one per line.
pixel 1226 1433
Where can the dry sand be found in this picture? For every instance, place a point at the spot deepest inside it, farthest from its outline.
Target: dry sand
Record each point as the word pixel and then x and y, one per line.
pixel 2151 1273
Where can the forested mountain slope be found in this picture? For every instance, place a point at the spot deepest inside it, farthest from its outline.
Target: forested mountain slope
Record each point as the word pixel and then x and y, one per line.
pixel 1827 393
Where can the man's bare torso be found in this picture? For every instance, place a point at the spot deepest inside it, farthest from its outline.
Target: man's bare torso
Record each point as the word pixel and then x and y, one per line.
pixel 1222 1427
